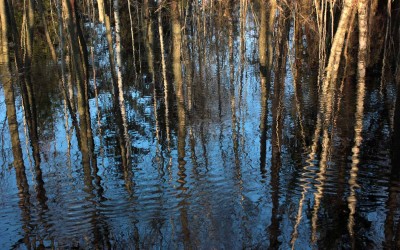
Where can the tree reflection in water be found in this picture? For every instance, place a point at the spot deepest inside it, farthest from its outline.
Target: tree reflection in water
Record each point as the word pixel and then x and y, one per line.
pixel 199 124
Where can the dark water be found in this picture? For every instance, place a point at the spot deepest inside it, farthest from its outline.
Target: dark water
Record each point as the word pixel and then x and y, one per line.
pixel 241 184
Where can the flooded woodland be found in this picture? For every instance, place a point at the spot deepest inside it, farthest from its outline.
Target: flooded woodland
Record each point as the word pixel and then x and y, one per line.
pixel 178 124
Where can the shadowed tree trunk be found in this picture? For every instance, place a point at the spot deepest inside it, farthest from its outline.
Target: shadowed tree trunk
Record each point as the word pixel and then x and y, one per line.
pixel 121 99
pixel 177 72
pixel 9 94
pixel 281 52
pixel 267 21
pixel 78 58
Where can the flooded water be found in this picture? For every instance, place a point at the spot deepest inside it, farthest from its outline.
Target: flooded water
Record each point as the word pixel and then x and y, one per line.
pixel 245 159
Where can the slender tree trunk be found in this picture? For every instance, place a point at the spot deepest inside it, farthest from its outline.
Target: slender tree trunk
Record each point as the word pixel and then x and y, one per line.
pixel 78 68
pixel 164 73
pixel 46 30
pixel 177 71
pixel 66 84
pixel 9 94
pixel 337 45
pixel 121 99
pixel 267 20
pixel 133 39
pixel 359 116
pixel 102 13
pixel 281 53
pixel 8 88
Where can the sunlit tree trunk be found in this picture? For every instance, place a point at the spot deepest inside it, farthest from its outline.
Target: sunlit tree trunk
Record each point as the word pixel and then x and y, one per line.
pixel 102 13
pixel 262 50
pixel 149 36
pixel 110 43
pixel 132 38
pixel 164 73
pixel 359 116
pixel 337 45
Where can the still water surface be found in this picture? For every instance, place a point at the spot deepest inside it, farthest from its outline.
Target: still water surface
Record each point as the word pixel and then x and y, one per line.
pixel 241 183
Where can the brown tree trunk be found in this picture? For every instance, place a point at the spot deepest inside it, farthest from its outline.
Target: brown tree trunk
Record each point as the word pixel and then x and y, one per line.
pixel 8 88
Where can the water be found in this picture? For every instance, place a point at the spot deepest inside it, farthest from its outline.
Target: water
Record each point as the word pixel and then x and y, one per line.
pixel 227 188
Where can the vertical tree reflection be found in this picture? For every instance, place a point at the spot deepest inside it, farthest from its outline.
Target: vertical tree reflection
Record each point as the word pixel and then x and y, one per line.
pixel 277 114
pixel 180 99
pixel 8 88
pixel 359 116
pixel 265 54
pixel 392 231
pixel 194 64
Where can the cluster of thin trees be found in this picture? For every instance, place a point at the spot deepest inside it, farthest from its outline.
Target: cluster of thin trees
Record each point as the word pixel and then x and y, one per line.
pixel 338 37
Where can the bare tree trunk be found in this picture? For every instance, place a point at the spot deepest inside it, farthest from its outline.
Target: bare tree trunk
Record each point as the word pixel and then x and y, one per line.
pixel 102 13
pixel 46 31
pixel 177 70
pixel 28 96
pixel 359 116
pixel 9 93
pixel 267 20
pixel 164 74
pixel 65 84
pixel 121 99
pixel 133 39
pixel 277 114
pixel 79 69
pixel 176 53
pixel 111 52
pixel 6 80
pixel 337 45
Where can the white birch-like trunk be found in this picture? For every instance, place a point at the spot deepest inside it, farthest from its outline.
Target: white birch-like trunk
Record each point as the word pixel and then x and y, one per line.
pixel 359 116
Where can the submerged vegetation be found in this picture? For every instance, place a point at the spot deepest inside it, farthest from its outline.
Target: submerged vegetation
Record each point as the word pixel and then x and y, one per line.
pixel 206 91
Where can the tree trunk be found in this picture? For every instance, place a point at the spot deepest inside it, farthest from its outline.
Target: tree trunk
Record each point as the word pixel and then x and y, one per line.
pixel 8 88
pixel 359 116
pixel 164 74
